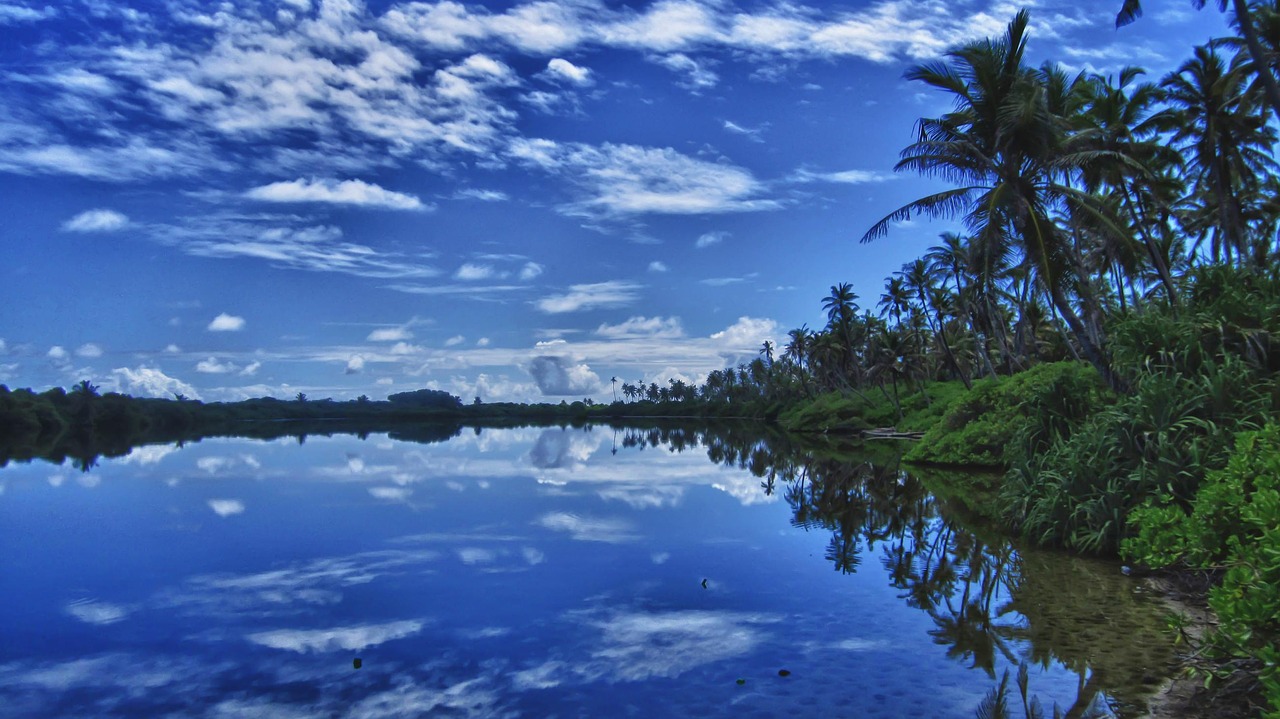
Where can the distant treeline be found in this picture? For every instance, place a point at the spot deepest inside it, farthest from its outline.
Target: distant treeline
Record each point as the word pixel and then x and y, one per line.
pixel 83 424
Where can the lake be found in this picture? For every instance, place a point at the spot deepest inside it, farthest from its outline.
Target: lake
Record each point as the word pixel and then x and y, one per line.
pixel 541 572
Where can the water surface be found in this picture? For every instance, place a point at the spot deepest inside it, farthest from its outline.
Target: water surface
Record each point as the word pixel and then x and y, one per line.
pixel 537 572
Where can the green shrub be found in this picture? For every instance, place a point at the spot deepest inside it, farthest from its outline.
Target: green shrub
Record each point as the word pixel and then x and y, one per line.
pixel 1234 523
pixel 983 426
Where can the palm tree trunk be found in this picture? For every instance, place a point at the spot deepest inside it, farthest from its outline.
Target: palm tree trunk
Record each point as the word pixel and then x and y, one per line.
pixel 1092 351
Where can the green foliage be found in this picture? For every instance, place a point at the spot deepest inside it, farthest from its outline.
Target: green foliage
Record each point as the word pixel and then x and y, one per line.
pixel 1234 523
pixel 426 398
pixel 1039 405
pixel 1199 375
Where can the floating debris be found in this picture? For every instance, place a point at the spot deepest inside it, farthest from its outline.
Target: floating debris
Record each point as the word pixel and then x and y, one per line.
pixel 357 663
pixel 741 681
pixel 784 672
pixel 704 584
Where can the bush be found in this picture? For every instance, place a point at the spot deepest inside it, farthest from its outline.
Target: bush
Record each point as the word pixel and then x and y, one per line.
pixel 1234 523
pixel 982 427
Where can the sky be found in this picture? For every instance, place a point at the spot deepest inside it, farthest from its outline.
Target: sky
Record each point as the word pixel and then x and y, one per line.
pixel 516 201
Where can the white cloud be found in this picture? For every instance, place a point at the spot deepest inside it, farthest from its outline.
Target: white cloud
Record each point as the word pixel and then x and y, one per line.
pixel 151 382
pixel 563 70
pixel 591 296
pixel 629 179
pixel 96 221
pixel 481 195
pixel 471 272
pixel 710 238
pixel 754 134
pixel 89 350
pixel 390 334
pixel 211 365
pixel 57 353
pixel 345 192
pixel 646 327
pixel 696 75
pixel 845 177
pixel 531 270
pixel 658 266
pixel 251 369
pixel 355 365
pixel 11 14
pixel 226 323
pixel 454 341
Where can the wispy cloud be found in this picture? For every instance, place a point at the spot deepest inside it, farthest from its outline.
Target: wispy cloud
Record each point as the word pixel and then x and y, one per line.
pixel 339 192
pixel 643 327
pixel 631 180
pixel 591 296
pixel 96 221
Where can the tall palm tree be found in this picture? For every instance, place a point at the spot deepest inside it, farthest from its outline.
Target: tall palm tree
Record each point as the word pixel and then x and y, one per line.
pixel 1007 143
pixel 1227 147
pixel 1245 22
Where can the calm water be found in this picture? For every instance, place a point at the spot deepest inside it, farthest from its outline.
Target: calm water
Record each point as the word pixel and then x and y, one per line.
pixel 536 573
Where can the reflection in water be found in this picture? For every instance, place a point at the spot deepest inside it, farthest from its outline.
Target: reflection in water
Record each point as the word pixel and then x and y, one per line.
pixel 987 600
pixel 543 571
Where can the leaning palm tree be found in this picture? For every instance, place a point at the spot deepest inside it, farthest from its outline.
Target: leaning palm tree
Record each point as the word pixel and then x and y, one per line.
pixel 1008 146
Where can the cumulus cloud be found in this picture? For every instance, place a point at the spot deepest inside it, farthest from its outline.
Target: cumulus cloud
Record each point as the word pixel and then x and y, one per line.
pixel 96 221
pixel 89 350
pixel 562 70
pixel 590 296
pixel 560 377
pixel 212 365
pixel 355 365
pixel 226 323
pixel 344 192
pixel 658 266
pixel 251 369
pixel 151 382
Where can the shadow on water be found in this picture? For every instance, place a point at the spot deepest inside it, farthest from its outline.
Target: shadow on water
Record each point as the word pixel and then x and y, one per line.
pixel 989 598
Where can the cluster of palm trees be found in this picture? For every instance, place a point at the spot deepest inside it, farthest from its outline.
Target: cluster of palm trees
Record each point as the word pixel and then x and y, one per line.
pixel 1081 196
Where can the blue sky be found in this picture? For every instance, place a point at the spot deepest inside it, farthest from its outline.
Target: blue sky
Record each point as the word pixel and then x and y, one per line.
pixel 514 200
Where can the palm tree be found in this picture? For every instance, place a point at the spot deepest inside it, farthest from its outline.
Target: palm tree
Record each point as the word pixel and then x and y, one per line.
pixel 614 381
pixel 1007 144
pixel 1262 66
pixel 1226 145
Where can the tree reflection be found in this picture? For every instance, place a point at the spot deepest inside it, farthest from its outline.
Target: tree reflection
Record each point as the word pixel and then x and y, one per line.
pixel 991 605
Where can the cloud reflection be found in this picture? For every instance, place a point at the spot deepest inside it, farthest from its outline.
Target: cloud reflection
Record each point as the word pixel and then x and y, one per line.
pixel 92 611
pixel 589 529
pixel 640 645
pixel 226 507
pixel 304 641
